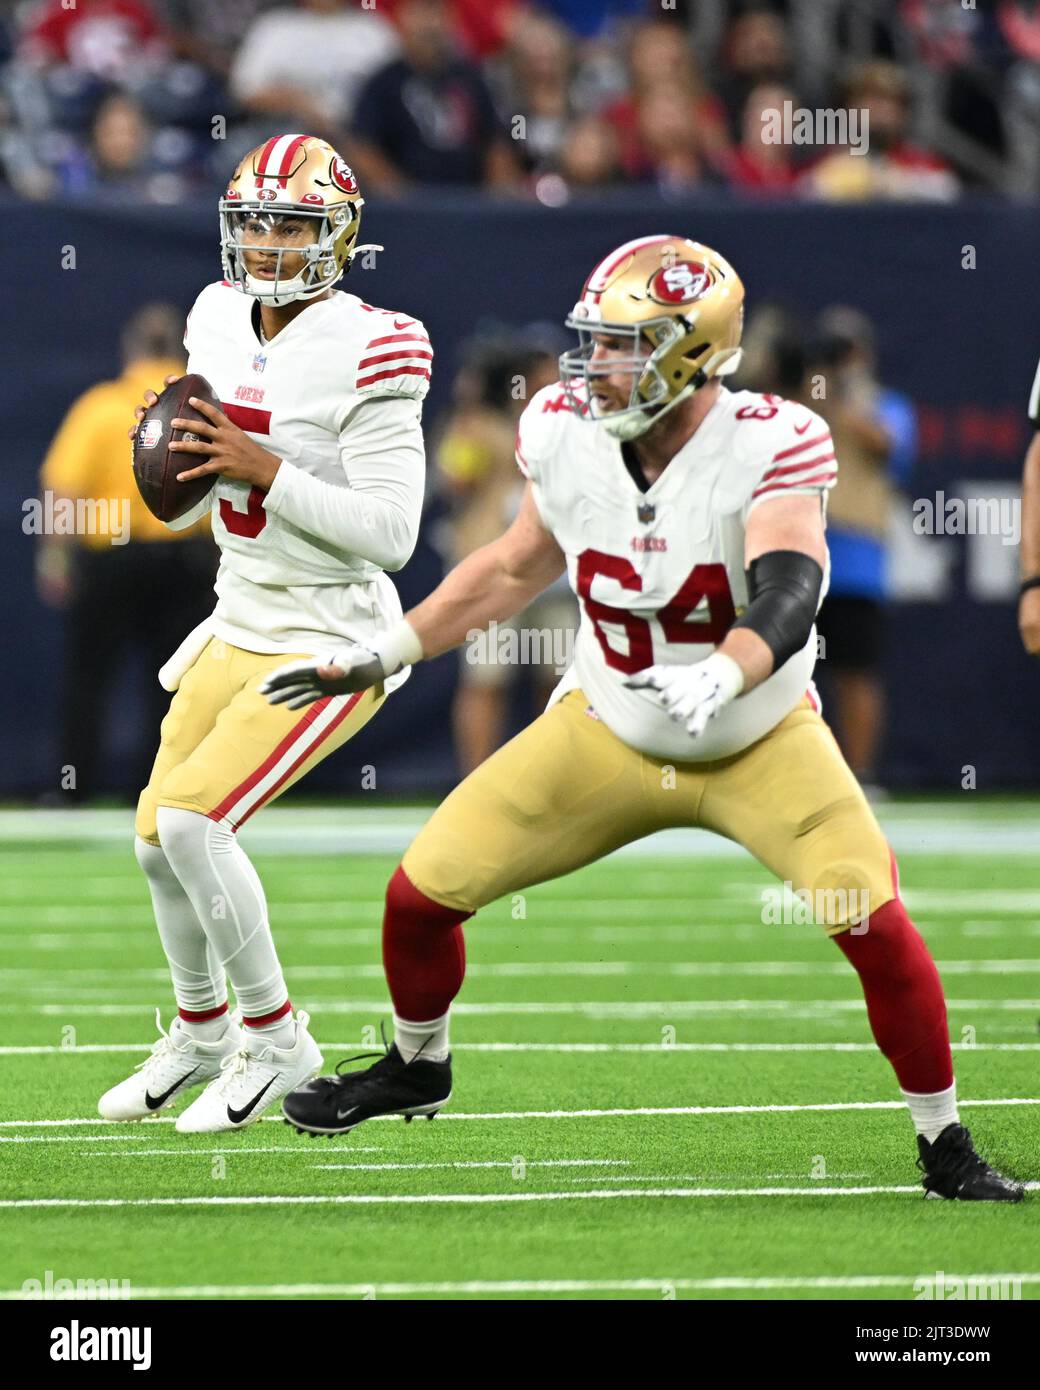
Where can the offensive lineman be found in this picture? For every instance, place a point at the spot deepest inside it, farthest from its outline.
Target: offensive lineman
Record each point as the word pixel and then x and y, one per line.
pixel 1029 589
pixel 691 523
pixel 318 451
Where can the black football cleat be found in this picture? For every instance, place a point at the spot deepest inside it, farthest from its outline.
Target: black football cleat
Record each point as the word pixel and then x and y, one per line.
pixel 952 1169
pixel 337 1104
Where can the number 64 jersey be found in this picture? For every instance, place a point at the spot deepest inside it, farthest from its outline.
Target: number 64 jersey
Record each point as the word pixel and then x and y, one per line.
pixel 660 574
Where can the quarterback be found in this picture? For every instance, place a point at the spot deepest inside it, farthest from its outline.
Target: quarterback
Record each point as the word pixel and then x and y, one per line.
pixel 690 520
pixel 318 455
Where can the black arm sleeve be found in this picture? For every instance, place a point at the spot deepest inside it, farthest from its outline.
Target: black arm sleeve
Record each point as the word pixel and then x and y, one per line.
pixel 784 588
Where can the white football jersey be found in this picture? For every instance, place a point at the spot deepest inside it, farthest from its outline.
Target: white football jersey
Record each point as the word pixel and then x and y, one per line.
pixel 337 395
pixel 660 574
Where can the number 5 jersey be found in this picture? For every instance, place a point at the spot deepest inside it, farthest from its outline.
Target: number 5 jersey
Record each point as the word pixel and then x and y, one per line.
pixel 337 396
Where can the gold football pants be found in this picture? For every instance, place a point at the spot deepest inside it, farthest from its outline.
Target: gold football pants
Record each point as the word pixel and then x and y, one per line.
pixel 566 791
pixel 224 751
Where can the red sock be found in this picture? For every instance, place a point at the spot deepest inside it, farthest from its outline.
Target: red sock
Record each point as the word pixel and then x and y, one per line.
pixel 905 1001
pixel 265 1020
pixel 189 1016
pixel 424 953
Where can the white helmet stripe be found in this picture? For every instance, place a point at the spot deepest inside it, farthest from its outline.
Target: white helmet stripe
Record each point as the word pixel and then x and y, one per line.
pixel 278 155
pixel 598 278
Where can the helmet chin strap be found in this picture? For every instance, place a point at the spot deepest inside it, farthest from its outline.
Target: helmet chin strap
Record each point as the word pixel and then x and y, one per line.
pixel 296 288
pixel 627 427
pixel 631 426
pixel 288 293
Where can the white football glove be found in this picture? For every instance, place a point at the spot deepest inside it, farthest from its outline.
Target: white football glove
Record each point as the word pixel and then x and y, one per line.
pixel 693 694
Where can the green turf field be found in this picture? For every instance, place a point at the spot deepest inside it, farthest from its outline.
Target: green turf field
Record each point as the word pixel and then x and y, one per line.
pixel 657 1094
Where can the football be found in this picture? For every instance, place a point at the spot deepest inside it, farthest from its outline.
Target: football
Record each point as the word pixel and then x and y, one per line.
pixel 155 468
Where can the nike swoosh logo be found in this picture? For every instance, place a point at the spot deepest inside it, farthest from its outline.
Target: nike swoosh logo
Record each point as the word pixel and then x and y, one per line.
pixel 803 428
pixel 342 1114
pixel 153 1102
pixel 406 324
pixel 237 1116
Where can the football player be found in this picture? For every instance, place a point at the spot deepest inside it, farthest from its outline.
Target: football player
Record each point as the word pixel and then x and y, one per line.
pixel 317 452
pixel 1029 590
pixel 691 522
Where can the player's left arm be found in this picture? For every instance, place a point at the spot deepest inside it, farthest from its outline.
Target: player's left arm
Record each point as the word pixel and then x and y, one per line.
pixel 1029 558
pixel 785 553
pixel 374 514
pixel 228 450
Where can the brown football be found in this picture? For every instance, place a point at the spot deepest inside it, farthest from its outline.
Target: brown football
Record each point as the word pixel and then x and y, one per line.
pixel 155 468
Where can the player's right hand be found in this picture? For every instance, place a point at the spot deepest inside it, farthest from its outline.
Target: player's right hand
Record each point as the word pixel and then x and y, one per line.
pixel 150 398
pixel 300 683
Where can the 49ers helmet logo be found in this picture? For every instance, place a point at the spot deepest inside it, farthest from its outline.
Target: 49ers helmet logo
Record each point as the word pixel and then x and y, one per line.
pixel 342 175
pixel 679 283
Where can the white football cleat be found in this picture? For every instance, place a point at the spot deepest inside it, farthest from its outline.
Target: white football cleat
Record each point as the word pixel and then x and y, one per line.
pixel 251 1081
pixel 177 1063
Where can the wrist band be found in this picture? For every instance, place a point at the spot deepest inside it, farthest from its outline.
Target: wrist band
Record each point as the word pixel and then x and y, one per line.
pixel 729 673
pixel 397 647
pixel 1033 583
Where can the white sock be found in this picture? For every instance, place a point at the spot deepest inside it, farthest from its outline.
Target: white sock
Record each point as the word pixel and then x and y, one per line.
pixel 228 898
pixel 280 1034
pixel 198 977
pixel 931 1113
pixel 428 1040
pixel 209 1030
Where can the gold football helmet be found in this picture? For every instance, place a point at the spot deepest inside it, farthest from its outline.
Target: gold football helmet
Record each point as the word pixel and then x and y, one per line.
pixel 302 176
pixel 681 308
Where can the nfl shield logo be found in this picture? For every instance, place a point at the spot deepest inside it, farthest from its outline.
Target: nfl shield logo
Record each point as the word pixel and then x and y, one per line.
pixel 151 433
pixel 646 511
pixel 259 362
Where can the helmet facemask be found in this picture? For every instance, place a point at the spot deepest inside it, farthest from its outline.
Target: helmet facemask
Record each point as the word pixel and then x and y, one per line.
pixel 649 395
pixel 248 229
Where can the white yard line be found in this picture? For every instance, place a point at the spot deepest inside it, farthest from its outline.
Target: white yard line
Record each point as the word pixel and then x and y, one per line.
pixel 735 1283
pixel 303 1152
pixel 344 830
pixel 334 937
pixel 574 1114
pixel 463 1198
pixel 55 1049
pixel 496 1163
pixel 25 975
pixel 666 1008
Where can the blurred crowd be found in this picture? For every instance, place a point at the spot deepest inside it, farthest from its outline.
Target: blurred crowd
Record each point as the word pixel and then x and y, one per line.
pixel 155 100
pixel 829 364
